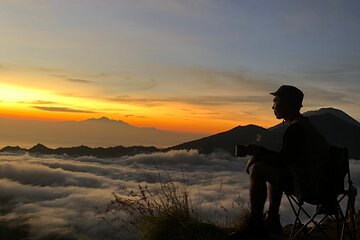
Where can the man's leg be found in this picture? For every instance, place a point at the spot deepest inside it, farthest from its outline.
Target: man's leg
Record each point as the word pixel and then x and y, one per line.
pixel 275 195
pixel 258 191
pixel 260 174
pixel 272 219
pixel 255 228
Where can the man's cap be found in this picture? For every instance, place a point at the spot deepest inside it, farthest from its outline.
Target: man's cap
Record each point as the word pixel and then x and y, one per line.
pixel 290 94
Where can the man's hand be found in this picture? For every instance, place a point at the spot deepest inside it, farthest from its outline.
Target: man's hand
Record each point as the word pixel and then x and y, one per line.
pixel 256 149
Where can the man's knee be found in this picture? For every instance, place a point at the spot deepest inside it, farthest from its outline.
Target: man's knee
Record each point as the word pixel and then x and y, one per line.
pixel 266 172
pixel 258 170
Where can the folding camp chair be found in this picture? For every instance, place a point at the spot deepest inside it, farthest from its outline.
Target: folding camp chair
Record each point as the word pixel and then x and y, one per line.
pixel 337 168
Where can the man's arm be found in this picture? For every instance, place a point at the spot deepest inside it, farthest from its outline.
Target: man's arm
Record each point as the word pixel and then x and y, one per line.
pixel 293 144
pixel 262 154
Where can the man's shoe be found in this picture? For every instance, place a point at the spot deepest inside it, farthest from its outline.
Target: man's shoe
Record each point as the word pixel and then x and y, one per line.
pixel 272 223
pixel 251 230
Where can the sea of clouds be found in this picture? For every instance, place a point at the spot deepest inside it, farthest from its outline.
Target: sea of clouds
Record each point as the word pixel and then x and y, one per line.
pixel 59 196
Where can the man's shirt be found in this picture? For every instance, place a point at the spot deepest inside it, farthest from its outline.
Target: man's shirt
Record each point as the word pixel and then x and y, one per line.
pixel 304 152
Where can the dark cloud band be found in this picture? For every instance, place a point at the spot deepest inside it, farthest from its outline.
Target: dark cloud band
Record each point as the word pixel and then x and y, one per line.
pixel 62 109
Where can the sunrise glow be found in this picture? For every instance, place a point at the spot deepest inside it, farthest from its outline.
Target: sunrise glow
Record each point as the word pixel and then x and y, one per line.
pixel 17 101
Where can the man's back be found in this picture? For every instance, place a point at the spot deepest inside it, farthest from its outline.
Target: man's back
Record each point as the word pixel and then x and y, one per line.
pixel 306 151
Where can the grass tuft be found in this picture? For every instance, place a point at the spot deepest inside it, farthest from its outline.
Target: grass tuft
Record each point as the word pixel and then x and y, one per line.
pixel 163 213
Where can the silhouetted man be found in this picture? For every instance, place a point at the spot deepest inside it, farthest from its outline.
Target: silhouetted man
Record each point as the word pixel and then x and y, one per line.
pixel 295 168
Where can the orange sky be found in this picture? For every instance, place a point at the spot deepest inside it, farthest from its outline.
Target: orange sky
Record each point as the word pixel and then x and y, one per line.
pixel 206 106
pixel 44 104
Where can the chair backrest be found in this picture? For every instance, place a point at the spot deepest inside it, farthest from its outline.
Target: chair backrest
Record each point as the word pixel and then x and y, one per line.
pixel 329 182
pixel 335 169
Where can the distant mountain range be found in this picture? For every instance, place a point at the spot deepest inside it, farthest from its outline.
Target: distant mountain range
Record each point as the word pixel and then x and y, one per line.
pixel 100 132
pixel 100 152
pixel 336 126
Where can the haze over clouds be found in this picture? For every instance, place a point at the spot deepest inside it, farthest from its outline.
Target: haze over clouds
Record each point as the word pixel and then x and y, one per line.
pixel 102 132
pixel 56 195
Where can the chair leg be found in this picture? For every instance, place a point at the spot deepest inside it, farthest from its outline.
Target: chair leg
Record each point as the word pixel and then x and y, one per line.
pixel 349 218
pixel 337 224
pixel 353 224
pixel 297 214
pixel 344 225
pixel 353 193
pixel 297 222
pixel 316 224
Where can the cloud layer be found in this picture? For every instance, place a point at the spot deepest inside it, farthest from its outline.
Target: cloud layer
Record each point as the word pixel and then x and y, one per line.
pixel 57 196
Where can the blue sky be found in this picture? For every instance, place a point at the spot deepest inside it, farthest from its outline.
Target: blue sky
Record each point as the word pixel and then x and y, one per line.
pixel 221 57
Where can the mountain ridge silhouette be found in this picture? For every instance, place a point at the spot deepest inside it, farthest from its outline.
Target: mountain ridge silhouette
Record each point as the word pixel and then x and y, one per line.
pixel 78 151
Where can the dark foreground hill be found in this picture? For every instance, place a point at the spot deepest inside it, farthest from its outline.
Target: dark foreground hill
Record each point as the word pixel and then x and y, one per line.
pixel 225 140
pixel 336 126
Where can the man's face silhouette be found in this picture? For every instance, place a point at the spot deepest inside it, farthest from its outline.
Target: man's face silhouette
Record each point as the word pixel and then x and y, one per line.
pixel 279 108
